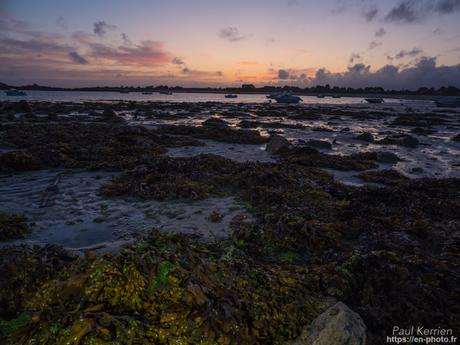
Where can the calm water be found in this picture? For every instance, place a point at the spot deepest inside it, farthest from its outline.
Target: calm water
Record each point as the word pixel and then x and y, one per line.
pixel 79 96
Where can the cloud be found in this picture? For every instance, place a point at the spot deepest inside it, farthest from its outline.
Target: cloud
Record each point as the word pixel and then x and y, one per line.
pixel 146 53
pixel 411 11
pixel 62 23
pixel 447 6
pixel 370 14
pixel 380 32
pixel 230 34
pixel 354 57
pixel 406 11
pixel 77 58
pixel 12 46
pixel 374 44
pixel 101 28
pixel 408 53
pixel 196 73
pixel 126 40
pixel 283 74
pixel 424 73
pixel 178 61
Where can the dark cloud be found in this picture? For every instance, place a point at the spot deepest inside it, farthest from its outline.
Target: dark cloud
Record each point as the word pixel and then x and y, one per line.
pixel 283 74
pixel 370 14
pixel 62 23
pixel 447 6
pixel 408 53
pixel 178 61
pixel 354 57
pixel 230 34
pixel 374 44
pixel 101 28
pixel 380 32
pixel 11 45
pixel 196 73
pixel 146 53
pixel 423 73
pixel 126 40
pixel 411 11
pixel 77 58
pixel 406 11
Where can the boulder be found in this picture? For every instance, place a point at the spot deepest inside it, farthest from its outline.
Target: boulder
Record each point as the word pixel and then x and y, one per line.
pixel 387 157
pixel 456 138
pixel 366 136
pixel 276 143
pixel 320 144
pixel 338 325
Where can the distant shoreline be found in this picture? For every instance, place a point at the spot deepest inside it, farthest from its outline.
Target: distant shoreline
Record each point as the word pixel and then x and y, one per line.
pixel 258 92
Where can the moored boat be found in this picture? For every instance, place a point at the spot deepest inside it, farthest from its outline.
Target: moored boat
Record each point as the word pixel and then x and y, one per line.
pixel 166 92
pixel 14 92
pixel 287 98
pixel 231 96
pixel 374 100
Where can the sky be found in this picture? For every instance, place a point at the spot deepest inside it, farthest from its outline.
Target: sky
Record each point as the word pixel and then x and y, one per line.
pixel 396 44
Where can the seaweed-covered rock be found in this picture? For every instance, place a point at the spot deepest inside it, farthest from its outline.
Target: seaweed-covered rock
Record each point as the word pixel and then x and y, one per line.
pixel 366 136
pixel 399 139
pixel 215 122
pixel 320 144
pixel 12 226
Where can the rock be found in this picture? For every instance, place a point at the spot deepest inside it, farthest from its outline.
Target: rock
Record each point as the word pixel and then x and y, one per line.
pixel 387 157
pixel 321 144
pixel 399 139
pixel 276 143
pixel 338 325
pixel 366 136
pixel 22 107
pixel 215 122
pixel 456 138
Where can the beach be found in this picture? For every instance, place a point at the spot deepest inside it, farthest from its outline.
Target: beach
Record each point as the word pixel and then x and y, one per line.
pixel 164 221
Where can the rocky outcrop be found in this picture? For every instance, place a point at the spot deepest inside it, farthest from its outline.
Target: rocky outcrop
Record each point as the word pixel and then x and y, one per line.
pixel 338 325
pixel 276 143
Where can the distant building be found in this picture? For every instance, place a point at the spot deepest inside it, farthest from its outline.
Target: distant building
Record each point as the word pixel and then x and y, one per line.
pixel 248 86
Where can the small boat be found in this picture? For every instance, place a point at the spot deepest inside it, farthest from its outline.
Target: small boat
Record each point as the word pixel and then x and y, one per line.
pixel 166 92
pixel 146 93
pixel 124 91
pixel 320 96
pixel 274 95
pixel 374 100
pixel 287 98
pixel 231 96
pixel 448 103
pixel 14 92
pixel 336 96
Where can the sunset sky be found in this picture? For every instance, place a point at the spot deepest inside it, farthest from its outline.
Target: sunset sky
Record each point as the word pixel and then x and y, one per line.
pixel 394 44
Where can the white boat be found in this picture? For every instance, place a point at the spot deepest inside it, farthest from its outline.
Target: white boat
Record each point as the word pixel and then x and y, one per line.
pixel 448 103
pixel 14 92
pixel 231 96
pixel 374 100
pixel 287 98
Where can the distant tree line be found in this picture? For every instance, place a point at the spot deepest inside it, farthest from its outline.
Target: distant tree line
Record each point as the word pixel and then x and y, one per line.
pixel 250 88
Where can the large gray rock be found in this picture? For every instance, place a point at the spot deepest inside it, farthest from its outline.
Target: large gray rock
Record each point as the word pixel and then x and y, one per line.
pixel 276 143
pixel 338 325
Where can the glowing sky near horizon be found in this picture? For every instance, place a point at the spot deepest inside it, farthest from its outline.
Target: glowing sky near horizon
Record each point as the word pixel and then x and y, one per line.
pixel 226 43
